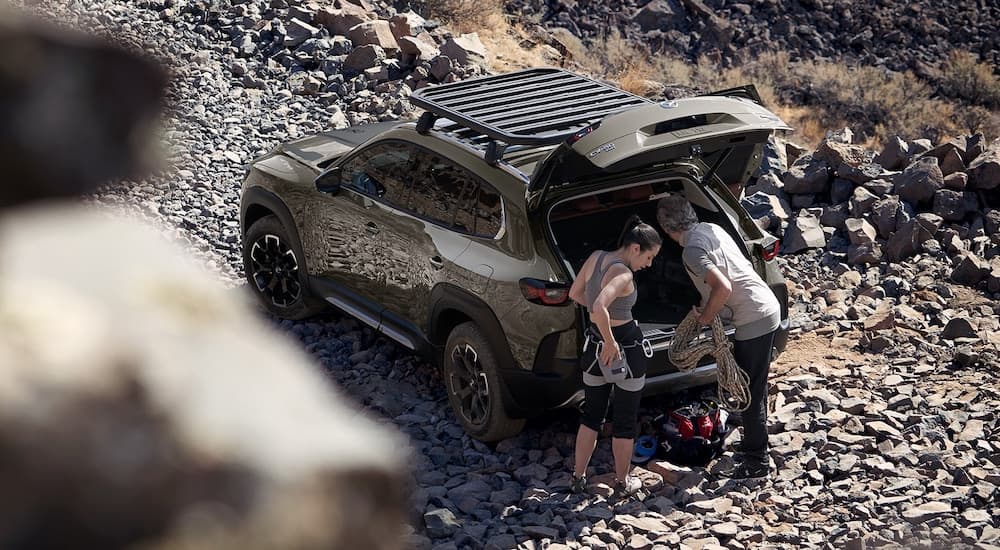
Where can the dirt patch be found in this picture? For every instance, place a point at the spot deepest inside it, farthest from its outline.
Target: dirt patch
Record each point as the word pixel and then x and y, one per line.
pixel 805 349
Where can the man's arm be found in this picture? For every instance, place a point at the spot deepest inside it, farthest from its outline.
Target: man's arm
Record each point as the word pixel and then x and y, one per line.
pixel 720 287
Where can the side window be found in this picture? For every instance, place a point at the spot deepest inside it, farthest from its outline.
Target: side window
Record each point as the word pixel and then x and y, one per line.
pixel 480 210
pixel 381 171
pixel 489 211
pixel 437 187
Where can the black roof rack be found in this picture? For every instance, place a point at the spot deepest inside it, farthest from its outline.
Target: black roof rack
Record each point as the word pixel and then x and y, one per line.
pixel 529 107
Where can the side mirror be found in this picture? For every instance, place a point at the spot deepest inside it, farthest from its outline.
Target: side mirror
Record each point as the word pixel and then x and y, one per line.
pixel 329 180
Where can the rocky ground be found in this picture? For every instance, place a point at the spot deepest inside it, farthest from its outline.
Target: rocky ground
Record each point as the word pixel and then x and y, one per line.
pixel 896 35
pixel 884 423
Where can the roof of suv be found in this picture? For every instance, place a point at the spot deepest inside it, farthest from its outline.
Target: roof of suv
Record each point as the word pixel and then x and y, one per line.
pixel 533 107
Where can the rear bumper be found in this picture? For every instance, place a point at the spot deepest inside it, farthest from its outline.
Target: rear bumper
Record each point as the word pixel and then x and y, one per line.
pixel 530 393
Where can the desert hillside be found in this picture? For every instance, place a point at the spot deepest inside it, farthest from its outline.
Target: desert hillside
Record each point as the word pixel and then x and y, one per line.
pixel 884 407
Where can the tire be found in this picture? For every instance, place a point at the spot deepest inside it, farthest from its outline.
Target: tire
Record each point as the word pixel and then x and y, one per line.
pixel 272 262
pixel 475 390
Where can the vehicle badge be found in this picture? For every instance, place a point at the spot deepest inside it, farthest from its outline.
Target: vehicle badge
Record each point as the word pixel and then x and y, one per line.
pixel 668 104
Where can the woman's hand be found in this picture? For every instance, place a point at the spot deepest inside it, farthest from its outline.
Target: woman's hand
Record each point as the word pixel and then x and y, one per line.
pixel 609 352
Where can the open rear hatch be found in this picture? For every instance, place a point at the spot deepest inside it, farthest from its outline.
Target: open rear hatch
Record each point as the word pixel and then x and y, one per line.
pixel 725 132
pixel 588 187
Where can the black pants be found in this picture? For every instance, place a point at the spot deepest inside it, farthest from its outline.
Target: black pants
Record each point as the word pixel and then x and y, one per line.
pixel 625 404
pixel 754 357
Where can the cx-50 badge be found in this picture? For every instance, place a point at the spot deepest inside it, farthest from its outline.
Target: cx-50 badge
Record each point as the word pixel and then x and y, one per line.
pixel 602 149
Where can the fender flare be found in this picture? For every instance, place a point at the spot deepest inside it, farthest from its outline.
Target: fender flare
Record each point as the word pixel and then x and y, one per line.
pixel 260 197
pixel 445 296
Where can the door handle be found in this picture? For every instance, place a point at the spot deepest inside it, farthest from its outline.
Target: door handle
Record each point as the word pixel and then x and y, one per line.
pixel 436 262
pixel 371 227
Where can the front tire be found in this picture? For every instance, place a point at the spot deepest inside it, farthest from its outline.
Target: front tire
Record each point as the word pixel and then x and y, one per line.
pixel 474 388
pixel 275 272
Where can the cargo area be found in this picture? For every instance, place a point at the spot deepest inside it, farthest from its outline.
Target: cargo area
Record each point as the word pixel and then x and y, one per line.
pixel 582 225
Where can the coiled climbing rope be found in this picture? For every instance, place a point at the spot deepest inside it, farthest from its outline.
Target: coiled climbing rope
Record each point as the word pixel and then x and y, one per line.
pixel 688 348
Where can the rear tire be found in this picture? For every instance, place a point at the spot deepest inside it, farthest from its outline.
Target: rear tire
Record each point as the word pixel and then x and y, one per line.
pixel 275 272
pixel 475 390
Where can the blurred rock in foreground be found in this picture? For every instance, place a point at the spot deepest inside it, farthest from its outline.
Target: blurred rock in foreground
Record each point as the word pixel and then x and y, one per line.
pixel 142 404
pixel 76 111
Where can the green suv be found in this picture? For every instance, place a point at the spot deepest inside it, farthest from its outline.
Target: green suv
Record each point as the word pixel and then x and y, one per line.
pixel 458 235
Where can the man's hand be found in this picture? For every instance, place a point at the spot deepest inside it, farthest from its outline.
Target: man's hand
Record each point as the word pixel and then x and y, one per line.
pixel 609 352
pixel 703 318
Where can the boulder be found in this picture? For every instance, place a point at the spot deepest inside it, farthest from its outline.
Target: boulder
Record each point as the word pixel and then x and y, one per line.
pixel 340 21
pixel 837 153
pixel 956 181
pixel 866 171
pixel 959 327
pixel 970 270
pixel 894 154
pixel 864 254
pixel 807 175
pixel 297 32
pixel 116 92
pixel 860 231
pixel 862 201
pixel 414 49
pixel 363 58
pixel 883 215
pixel 975 145
pixel 834 216
pixel 840 190
pixel 804 232
pixel 954 205
pixel 879 187
pixel 408 23
pixel 919 181
pixel 951 162
pixel 984 170
pixel 910 235
pixel 991 221
pixel 658 14
pixel 375 33
pixel 465 49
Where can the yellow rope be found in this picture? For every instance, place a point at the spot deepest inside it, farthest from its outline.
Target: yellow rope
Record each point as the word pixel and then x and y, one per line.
pixel 688 349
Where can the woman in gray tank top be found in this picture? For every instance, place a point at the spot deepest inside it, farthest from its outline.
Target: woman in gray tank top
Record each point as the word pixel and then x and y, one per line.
pixel 605 286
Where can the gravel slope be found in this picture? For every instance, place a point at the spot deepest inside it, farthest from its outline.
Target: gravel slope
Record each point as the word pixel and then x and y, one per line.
pixel 890 451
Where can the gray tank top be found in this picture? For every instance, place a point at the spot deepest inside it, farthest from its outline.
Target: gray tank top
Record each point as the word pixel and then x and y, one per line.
pixel 621 308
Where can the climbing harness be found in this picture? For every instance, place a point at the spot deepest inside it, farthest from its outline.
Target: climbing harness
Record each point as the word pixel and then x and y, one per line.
pixel 688 348
pixel 618 372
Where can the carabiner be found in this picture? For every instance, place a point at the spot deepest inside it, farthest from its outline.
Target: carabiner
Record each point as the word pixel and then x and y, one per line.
pixel 647 348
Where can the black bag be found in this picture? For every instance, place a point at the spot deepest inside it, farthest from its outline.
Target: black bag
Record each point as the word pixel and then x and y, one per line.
pixel 693 434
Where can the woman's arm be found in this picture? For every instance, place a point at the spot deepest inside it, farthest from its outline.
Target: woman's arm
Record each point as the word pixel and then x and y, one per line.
pixel 616 283
pixel 576 289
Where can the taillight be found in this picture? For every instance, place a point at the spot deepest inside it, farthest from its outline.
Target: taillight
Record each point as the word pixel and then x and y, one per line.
pixel 544 292
pixel 770 251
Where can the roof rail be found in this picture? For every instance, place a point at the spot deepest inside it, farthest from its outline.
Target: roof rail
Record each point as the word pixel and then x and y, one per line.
pixel 530 107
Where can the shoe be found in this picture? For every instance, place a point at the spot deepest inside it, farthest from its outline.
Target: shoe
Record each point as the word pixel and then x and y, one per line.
pixel 750 470
pixel 630 487
pixel 578 485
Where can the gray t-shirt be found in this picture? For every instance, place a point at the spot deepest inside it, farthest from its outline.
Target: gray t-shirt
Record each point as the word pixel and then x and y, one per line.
pixel 752 307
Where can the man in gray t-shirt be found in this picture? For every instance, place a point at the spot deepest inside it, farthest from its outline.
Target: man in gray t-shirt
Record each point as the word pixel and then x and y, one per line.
pixel 731 288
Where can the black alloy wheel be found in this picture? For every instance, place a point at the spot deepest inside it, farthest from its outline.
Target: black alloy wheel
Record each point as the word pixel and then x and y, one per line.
pixel 470 385
pixel 271 260
pixel 475 389
pixel 275 270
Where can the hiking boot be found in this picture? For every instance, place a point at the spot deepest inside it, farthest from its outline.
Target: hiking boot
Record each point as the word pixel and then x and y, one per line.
pixel 750 470
pixel 630 487
pixel 578 485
